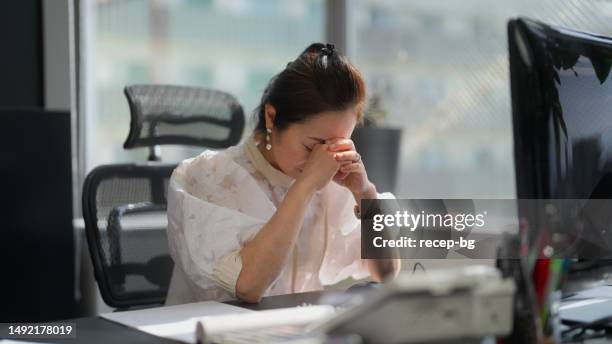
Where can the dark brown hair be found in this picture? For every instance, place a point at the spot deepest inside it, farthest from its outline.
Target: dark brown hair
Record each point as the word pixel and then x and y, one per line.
pixel 319 80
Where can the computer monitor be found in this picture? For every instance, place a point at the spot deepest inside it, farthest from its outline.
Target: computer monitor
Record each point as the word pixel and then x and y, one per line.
pixel 562 114
pixel 562 111
pixel 37 248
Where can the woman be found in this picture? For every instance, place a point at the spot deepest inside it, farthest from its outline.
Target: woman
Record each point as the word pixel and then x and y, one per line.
pixel 277 214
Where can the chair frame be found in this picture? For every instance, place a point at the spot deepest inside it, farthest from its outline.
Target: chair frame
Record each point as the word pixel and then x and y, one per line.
pixel 159 172
pixel 153 169
pixel 235 123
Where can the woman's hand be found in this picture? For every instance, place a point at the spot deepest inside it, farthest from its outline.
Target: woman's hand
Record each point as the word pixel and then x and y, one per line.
pixel 352 173
pixel 320 167
pixel 265 256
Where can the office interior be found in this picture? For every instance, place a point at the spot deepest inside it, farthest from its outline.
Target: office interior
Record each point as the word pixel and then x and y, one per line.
pixel 445 119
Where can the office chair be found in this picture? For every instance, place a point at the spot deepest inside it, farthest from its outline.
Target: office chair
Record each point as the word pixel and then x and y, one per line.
pixel 124 205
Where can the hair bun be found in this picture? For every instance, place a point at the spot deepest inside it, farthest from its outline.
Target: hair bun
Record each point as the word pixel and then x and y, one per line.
pixel 328 49
pixel 320 79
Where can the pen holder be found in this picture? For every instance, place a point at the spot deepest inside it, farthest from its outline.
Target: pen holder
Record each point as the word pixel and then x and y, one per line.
pixel 527 323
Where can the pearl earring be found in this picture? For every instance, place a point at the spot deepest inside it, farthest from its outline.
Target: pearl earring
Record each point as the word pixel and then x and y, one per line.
pixel 268 145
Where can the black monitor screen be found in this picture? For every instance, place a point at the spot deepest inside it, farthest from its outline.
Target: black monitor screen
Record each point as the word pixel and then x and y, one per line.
pixel 583 167
pixel 562 109
pixel 562 118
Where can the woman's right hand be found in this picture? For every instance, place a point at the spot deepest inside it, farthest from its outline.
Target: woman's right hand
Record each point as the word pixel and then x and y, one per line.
pixel 265 256
pixel 320 167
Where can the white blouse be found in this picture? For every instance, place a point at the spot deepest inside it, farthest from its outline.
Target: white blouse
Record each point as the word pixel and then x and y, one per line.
pixel 218 201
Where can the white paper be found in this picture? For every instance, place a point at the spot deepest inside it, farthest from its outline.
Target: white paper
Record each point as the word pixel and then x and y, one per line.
pixel 173 322
pixel 588 305
pixel 586 311
pixel 306 315
pixel 597 292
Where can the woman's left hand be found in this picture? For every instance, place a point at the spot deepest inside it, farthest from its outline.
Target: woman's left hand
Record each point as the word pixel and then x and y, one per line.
pixel 352 174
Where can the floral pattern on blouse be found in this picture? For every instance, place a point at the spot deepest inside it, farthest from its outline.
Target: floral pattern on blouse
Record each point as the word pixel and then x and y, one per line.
pixel 218 201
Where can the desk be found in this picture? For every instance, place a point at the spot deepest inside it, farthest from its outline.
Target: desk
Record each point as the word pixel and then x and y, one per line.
pixel 94 330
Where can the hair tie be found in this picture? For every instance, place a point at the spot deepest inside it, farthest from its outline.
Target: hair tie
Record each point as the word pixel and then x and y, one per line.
pixel 328 49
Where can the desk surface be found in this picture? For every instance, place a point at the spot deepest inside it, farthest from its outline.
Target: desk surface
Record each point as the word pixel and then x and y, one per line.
pixel 97 330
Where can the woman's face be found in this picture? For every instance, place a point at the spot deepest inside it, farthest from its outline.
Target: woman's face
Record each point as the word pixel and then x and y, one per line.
pixel 291 147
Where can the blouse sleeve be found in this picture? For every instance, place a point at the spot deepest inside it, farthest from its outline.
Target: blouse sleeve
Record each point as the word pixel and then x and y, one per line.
pixel 206 230
pixel 226 271
pixel 343 257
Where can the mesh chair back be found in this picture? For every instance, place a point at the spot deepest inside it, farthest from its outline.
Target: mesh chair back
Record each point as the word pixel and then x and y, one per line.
pixel 183 115
pixel 124 208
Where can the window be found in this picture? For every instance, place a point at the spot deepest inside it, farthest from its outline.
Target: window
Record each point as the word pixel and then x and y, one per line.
pixel 235 46
pixel 440 69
